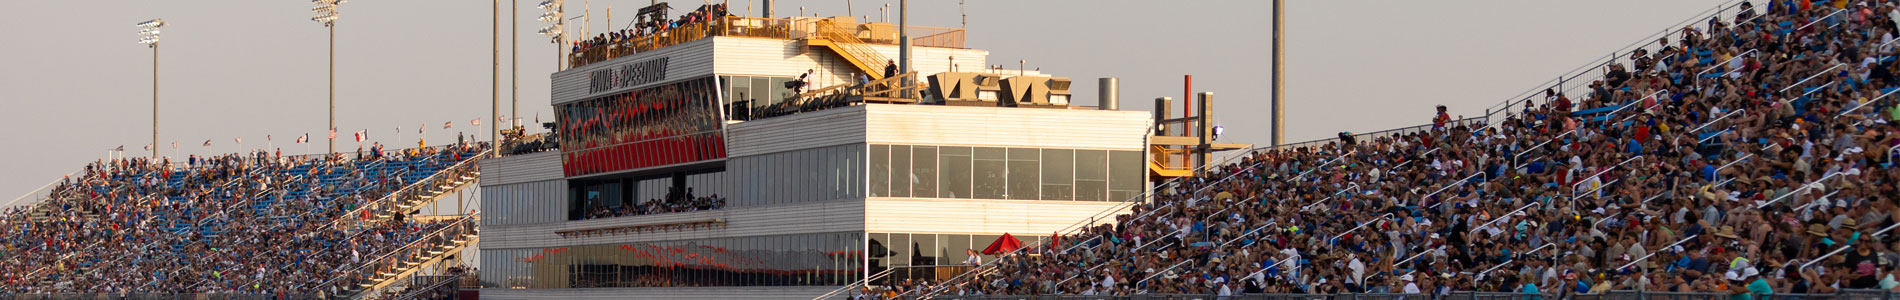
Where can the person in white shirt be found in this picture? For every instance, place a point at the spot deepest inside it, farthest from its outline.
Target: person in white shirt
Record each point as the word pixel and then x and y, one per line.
pixel 1411 287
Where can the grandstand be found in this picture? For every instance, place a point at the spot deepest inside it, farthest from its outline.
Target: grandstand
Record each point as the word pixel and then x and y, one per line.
pixel 254 223
pixel 1748 153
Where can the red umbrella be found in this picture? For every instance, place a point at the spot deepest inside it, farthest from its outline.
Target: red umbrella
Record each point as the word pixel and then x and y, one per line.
pixel 1003 244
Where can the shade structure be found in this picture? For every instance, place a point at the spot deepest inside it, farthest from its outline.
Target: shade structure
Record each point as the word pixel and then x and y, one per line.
pixel 1004 244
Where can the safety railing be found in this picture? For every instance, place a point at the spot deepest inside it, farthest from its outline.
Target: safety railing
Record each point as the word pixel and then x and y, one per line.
pixel 393 202
pixel 1118 209
pixel 852 46
pixel 1568 83
pixel 796 28
pixel 396 260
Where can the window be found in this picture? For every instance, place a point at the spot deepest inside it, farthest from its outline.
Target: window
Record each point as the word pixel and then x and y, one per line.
pixel 1023 173
pixel 1091 175
pixel 923 169
pixel 1058 174
pixel 956 172
pixel 901 176
pixel 991 163
pixel 1126 180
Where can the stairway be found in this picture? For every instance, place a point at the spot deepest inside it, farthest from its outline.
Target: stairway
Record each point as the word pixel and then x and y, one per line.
pixel 829 35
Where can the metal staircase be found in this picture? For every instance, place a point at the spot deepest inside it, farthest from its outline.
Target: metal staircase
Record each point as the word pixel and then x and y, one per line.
pixel 828 34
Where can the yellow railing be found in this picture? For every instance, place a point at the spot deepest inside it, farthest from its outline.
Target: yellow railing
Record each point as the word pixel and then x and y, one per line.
pixel 846 34
pixel 872 61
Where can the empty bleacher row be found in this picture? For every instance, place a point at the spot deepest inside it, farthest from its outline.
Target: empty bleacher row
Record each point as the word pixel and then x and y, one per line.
pixel 248 223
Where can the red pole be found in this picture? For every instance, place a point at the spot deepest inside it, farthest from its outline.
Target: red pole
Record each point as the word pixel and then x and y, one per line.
pixel 1187 112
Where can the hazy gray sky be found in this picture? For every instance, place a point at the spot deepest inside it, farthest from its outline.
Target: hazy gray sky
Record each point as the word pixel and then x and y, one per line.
pixel 74 83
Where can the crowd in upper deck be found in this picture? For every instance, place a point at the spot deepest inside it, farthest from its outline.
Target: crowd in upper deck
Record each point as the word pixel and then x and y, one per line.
pixel 648 28
pixel 1748 155
pixel 254 222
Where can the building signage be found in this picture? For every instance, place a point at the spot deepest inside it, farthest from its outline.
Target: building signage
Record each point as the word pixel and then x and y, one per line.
pixel 626 75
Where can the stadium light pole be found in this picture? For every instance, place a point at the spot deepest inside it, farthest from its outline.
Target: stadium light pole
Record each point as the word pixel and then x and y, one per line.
pixel 327 14
pixel 551 14
pixel 148 36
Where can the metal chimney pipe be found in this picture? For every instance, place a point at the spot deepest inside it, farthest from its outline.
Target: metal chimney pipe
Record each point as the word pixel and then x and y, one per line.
pixel 1109 97
pixel 768 9
pixel 1161 114
pixel 1207 131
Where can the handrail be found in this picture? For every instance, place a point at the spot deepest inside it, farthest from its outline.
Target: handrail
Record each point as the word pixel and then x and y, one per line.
pixel 1158 273
pixel 866 282
pixel 1577 74
pixel 438 283
pixel 1822 18
pixel 1362 280
pixel 1508 262
pixel 1797 191
pixel 464 221
pixel 852 46
pixel 1595 189
pixel 1844 248
pixel 409 188
pixel 1447 187
pixel 1089 221
pixel 1573 186
pixel 1712 122
pixel 1505 215
pixel 1698 75
pixel 1249 232
pixel 1805 80
pixel 1869 101
pixel 1356 228
pixel 1658 250
pixel 46 188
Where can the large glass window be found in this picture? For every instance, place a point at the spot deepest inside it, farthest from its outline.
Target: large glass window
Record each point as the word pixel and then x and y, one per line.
pixel 901 176
pixel 1023 173
pixel 956 172
pixel 802 260
pixel 991 163
pixel 1091 175
pixel 923 168
pixel 661 125
pixel 1123 184
pixel 1058 174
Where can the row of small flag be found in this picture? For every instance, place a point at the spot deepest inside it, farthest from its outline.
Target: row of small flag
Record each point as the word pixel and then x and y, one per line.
pixel 360 135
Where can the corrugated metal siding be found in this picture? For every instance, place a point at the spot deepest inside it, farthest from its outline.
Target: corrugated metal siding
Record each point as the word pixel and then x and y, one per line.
pixel 761 56
pixel 732 292
pixel 817 217
pixel 965 216
pixel 684 61
pixel 801 131
pixel 1006 127
pixel 521 168
pixel 534 202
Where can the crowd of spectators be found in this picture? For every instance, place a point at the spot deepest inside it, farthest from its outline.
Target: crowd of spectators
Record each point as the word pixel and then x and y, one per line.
pixel 651 27
pixel 1663 176
pixel 253 223
pixel 675 201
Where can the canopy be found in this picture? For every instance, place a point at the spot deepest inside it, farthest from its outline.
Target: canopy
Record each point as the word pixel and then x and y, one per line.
pixel 1004 244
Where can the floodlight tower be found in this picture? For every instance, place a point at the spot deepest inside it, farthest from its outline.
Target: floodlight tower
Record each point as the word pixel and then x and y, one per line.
pixel 327 14
pixel 148 36
pixel 551 14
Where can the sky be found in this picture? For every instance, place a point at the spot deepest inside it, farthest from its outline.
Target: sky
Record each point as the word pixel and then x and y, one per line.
pixel 74 82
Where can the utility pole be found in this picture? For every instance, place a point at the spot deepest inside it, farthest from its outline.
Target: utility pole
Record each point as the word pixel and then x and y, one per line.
pixel 1279 73
pixel 514 59
pixel 327 13
pixel 148 35
pixel 494 76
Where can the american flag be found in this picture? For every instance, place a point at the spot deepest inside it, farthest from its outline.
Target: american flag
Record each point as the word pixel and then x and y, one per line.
pixel 446 125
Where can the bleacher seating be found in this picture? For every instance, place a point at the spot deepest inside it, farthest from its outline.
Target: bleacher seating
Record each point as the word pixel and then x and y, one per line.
pixel 243 223
pixel 1775 177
